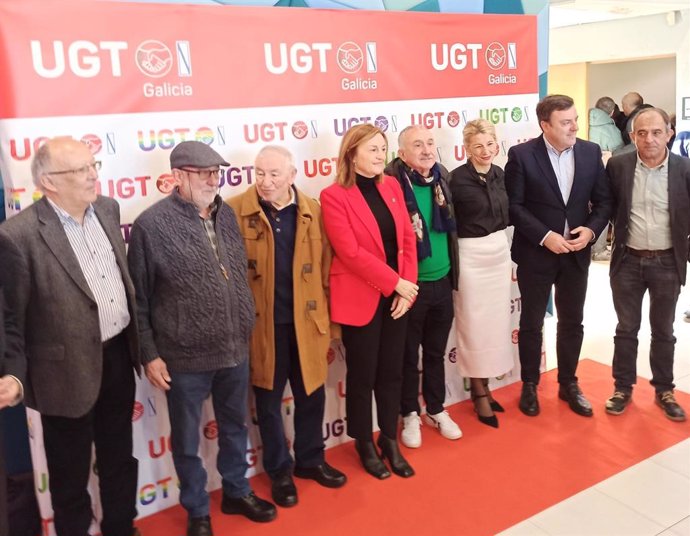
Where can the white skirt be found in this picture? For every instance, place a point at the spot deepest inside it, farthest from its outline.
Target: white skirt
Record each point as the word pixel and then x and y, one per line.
pixel 482 307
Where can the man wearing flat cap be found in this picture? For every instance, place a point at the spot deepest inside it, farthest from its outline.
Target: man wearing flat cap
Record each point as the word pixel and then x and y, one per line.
pixel 196 314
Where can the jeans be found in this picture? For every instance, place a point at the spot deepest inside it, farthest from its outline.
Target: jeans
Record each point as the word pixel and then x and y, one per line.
pixel 228 388
pixel 429 324
pixel 636 276
pixel 309 410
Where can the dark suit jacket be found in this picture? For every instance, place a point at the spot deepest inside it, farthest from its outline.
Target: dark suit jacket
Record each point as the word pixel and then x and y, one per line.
pixel 57 315
pixel 536 203
pixel 621 173
pixel 359 273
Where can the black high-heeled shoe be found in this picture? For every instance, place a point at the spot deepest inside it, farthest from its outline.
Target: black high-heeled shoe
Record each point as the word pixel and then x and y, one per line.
pixel 493 403
pixel 389 449
pixel 370 459
pixel 489 421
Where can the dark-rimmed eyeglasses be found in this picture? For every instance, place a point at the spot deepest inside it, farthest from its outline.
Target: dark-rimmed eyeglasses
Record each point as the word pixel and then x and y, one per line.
pixel 84 170
pixel 204 174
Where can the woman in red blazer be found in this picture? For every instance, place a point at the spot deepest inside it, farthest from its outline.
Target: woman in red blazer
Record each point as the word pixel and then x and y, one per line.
pixel 372 285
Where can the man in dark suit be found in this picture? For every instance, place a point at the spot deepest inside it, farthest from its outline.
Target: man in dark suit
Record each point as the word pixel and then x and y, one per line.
pixel 559 203
pixel 651 193
pixel 12 370
pixel 64 272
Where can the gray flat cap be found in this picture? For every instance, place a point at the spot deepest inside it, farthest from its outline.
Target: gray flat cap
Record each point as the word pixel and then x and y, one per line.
pixel 195 154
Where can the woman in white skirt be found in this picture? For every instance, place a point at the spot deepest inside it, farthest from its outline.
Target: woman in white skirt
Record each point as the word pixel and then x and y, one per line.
pixel 482 301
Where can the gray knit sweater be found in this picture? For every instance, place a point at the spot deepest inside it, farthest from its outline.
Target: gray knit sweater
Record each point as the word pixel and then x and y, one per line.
pixel 189 313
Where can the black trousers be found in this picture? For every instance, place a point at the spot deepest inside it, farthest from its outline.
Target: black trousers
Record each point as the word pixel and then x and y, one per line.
pixel 374 357
pixel 309 410
pixel 429 324
pixel 535 282
pixel 68 441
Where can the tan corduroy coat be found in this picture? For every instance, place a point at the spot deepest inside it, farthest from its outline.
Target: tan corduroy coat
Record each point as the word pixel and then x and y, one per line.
pixel 310 266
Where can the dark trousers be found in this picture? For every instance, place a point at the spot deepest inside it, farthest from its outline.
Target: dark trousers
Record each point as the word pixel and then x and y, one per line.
pixel 635 277
pixel 374 358
pixel 68 441
pixel 535 281
pixel 309 410
pixel 228 388
pixel 430 319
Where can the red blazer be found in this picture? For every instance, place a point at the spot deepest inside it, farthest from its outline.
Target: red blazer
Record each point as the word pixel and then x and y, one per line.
pixel 359 273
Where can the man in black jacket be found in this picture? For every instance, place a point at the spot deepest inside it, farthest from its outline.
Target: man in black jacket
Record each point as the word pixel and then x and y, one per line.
pixel 651 219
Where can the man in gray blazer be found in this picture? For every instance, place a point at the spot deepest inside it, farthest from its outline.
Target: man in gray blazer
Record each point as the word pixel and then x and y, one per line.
pixel 651 219
pixel 65 277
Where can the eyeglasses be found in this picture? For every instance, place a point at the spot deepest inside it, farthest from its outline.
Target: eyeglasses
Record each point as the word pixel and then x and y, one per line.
pixel 204 174
pixel 84 170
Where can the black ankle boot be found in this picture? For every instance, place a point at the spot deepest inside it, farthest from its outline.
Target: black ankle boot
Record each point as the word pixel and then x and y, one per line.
pixel 370 459
pixel 389 449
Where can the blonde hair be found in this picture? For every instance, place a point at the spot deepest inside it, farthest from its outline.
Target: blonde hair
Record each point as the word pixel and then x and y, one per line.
pixel 478 126
pixel 345 169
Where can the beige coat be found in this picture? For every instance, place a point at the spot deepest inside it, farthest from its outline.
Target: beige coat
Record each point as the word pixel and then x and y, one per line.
pixel 310 268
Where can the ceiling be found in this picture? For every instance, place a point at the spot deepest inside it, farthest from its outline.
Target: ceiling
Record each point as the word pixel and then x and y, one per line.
pixel 575 12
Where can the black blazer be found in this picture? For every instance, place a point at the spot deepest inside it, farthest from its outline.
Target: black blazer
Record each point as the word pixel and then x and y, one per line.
pixel 536 203
pixel 621 173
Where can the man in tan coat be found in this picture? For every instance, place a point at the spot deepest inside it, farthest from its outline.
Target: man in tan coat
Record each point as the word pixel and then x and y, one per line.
pixel 288 259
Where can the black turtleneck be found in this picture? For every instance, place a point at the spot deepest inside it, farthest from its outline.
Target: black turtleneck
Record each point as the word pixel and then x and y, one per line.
pixel 383 217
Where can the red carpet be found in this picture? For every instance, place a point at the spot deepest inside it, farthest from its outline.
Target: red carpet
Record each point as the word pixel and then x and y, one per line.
pixel 479 485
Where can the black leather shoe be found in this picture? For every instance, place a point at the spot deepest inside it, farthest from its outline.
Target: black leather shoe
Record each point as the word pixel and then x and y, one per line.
pixel 283 490
pixel 389 449
pixel 618 402
pixel 250 506
pixel 199 526
pixel 370 459
pixel 529 404
pixel 572 394
pixel 667 401
pixel 324 474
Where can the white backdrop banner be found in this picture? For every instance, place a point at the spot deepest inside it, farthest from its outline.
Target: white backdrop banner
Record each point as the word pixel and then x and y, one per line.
pixel 132 90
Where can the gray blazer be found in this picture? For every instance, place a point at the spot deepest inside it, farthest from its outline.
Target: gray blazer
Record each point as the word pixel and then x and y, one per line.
pixel 621 173
pixel 56 313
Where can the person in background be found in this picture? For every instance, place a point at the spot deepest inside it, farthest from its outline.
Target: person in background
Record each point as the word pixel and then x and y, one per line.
pixel 604 132
pixel 632 103
pixel 424 185
pixel 602 128
pixel 65 278
pixel 559 203
pixel 288 258
pixel 196 315
pixel 482 311
pixel 651 219
pixel 372 287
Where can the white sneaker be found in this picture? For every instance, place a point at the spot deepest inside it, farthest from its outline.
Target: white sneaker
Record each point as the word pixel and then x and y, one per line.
pixel 445 425
pixel 411 433
pixel 686 315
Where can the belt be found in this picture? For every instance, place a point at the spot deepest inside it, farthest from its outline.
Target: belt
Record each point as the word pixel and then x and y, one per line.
pixel 650 253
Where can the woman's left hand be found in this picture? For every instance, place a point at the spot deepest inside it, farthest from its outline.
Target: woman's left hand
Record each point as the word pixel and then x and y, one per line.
pixel 399 306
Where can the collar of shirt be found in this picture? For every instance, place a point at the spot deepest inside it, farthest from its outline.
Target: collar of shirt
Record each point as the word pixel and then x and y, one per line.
pixel 65 218
pixel 663 165
pixel 293 201
pixel 550 148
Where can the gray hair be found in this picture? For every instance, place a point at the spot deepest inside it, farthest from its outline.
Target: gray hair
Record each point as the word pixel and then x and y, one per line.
pixel 280 150
pixel 404 132
pixel 40 164
pixel 607 104
pixel 661 113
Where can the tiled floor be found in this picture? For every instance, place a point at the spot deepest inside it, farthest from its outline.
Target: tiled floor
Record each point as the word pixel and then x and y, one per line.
pixel 650 498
